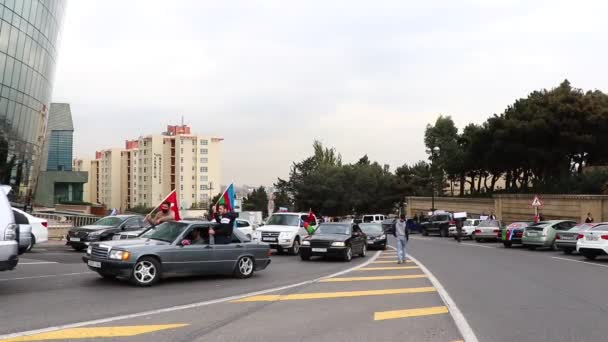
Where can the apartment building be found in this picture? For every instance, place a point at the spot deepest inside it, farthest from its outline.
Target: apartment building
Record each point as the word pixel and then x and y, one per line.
pixel 148 168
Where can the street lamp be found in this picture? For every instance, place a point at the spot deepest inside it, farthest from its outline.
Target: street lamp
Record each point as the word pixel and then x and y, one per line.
pixel 434 152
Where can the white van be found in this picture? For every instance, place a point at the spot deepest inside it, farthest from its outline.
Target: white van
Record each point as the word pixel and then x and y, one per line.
pixel 9 248
pixel 284 231
pixel 376 218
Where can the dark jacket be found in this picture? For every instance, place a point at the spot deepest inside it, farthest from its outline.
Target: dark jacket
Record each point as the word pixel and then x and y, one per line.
pixel 223 232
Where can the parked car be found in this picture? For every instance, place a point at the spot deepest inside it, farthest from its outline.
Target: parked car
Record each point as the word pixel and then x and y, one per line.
pixel 388 225
pixel 513 233
pixel 566 241
pixel 468 228
pixel 593 242
pixel 339 240
pixel 104 229
pixel 488 230
pixel 284 231
pixel 40 232
pixel 246 227
pixel 439 223
pixel 170 249
pixel 542 234
pixel 9 247
pixel 376 238
pixel 376 218
pixel 25 232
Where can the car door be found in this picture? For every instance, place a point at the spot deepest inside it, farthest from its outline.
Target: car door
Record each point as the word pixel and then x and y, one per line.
pixel 226 255
pixel 357 239
pixel 191 258
pixel 244 226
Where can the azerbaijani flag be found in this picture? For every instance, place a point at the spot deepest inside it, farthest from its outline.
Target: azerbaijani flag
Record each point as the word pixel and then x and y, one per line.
pixel 227 198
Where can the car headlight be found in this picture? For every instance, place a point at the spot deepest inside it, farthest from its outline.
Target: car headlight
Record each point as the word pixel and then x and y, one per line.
pixel 286 235
pixel 89 250
pixel 119 255
pixel 382 237
pixel 96 233
pixel 338 244
pixel 305 243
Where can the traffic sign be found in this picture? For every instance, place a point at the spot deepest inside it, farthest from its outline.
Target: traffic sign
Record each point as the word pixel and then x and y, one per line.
pixel 536 202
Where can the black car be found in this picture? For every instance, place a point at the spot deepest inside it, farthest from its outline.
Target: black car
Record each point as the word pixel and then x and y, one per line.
pixel 439 223
pixel 340 240
pixel 376 237
pixel 388 226
pixel 104 229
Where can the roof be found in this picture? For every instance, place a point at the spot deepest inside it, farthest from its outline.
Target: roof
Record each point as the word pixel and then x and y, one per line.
pixel 60 117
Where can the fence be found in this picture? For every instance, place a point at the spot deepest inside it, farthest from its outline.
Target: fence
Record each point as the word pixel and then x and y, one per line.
pixel 59 224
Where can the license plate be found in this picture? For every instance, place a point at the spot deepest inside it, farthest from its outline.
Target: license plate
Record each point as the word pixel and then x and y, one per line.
pixel 592 238
pixel 567 237
pixel 96 264
pixel 75 239
pixel 319 249
pixel 269 239
pixel 532 233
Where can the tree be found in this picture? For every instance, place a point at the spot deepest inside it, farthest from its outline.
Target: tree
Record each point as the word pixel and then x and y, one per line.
pixel 257 200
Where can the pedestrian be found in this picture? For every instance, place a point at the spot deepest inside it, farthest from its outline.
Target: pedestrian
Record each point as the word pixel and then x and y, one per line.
pixel 459 223
pixel 222 234
pixel 492 216
pixel 402 234
pixel 589 218
pixel 164 215
pixel 541 217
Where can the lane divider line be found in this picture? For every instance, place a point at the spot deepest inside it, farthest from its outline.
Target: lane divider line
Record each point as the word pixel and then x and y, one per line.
pixel 328 295
pixel 186 306
pixel 398 277
pixel 98 332
pixel 580 261
pixel 47 276
pixel 38 263
pixel 385 315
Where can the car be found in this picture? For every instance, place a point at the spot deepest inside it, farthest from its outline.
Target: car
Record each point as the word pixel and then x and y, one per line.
pixel 9 247
pixel 593 242
pixel 339 240
pixel 567 240
pixel 284 231
pixel 542 234
pixel 513 233
pixel 246 227
pixel 388 225
pixel 376 218
pixel 169 249
pixel 468 228
pixel 487 230
pixel 439 223
pixel 104 229
pixel 40 232
pixel 376 237
pixel 25 232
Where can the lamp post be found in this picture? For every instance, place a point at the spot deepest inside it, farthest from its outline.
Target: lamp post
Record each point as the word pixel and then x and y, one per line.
pixel 434 152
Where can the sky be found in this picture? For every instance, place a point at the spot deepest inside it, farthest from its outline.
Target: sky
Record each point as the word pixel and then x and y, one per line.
pixel 271 76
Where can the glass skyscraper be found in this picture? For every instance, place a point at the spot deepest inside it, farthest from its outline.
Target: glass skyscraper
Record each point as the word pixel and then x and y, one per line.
pixel 29 30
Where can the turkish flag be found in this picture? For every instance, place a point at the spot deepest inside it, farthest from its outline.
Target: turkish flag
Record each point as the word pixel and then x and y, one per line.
pixel 172 199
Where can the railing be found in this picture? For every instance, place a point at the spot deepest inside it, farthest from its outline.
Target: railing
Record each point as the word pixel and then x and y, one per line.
pixel 67 219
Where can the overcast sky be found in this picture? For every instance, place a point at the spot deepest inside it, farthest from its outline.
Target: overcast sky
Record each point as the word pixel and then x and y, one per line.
pixel 270 76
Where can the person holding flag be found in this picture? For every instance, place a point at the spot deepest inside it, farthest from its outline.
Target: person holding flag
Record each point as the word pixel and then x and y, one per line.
pixel 169 211
pixel 224 215
pixel 309 223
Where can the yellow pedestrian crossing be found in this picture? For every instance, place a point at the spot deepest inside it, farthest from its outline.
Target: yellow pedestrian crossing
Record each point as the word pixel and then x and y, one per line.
pixel 97 332
pixel 436 310
pixel 328 295
pixel 390 268
pixel 388 262
pixel 397 277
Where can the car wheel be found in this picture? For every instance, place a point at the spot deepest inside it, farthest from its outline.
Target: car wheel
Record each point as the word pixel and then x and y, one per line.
pixel 348 254
pixel 295 249
pixel 443 232
pixel 146 272
pixel 32 243
pixel 478 240
pixel 532 248
pixel 507 244
pixel 363 251
pixel 249 236
pixel 568 251
pixel 78 249
pixel 304 256
pixel 424 232
pixel 244 267
pixel 384 247
pixel 590 256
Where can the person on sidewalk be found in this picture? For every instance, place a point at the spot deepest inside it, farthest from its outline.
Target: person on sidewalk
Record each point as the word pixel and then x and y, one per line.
pixel 403 235
pixel 589 218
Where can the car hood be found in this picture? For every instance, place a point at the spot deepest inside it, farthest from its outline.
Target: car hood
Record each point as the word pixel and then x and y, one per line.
pixel 90 228
pixel 329 237
pixel 133 243
pixel 374 234
pixel 278 229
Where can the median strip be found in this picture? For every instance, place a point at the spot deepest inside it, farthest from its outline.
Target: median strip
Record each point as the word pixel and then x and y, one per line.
pixel 97 332
pixel 347 279
pixel 385 315
pixel 328 295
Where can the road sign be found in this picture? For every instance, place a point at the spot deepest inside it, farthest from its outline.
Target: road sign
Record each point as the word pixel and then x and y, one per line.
pixel 536 202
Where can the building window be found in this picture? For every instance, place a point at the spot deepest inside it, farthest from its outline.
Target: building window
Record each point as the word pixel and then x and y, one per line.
pixel 181 178
pixel 204 178
pixel 193 150
pixel 204 160
pixel 193 196
pixel 182 151
pixel 204 169
pixel 182 160
pixel 144 170
pixel 204 187
pixel 204 151
pixel 193 187
pixel 204 142
pixel 182 168
pixel 144 196
pixel 145 152
pixel 145 178
pixel 181 187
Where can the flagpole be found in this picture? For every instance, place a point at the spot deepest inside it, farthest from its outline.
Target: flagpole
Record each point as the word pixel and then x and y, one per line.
pixel 161 202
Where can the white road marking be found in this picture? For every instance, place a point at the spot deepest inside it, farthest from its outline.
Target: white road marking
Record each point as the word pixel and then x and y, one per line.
pixel 46 276
pixel 184 307
pixel 37 263
pixel 461 322
pixel 580 261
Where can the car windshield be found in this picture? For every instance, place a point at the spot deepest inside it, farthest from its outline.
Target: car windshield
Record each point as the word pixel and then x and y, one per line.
pixel 367 219
pixel 167 231
pixel 489 223
pixel 581 227
pixel 110 221
pixel 371 228
pixel 517 225
pixel 600 227
pixel 472 223
pixel 342 229
pixel 283 220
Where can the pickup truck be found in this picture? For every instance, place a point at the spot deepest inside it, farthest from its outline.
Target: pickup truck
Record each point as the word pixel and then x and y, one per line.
pixel 439 223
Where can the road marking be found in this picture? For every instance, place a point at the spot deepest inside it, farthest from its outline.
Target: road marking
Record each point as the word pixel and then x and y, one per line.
pixel 37 263
pixel 477 245
pixel 461 322
pixel 388 262
pixel 326 295
pixel 346 279
pixel 388 268
pixel 184 307
pixel 580 261
pixel 436 310
pixel 48 276
pixel 78 333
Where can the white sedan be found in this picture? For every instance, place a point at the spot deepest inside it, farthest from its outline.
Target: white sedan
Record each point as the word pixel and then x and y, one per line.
pixel 40 231
pixel 593 242
pixel 467 229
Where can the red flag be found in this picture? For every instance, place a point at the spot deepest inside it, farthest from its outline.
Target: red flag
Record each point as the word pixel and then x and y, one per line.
pixel 172 200
pixel 311 217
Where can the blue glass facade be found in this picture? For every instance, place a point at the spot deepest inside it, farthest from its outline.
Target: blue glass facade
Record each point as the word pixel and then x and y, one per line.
pixel 29 30
pixel 60 151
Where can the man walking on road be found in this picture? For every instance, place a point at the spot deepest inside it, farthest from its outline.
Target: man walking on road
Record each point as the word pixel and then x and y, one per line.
pixel 403 235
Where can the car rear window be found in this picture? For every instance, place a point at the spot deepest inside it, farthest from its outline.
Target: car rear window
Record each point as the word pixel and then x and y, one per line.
pixel 600 227
pixel 489 223
pixel 442 218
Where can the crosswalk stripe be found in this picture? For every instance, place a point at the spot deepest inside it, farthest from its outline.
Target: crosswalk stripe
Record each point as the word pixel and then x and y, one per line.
pixel 327 295
pixel 347 279
pixel 436 310
pixel 388 268
pixel 389 262
pixel 97 332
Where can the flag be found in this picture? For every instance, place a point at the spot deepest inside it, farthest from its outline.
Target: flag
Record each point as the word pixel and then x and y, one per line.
pixel 308 223
pixel 173 206
pixel 227 198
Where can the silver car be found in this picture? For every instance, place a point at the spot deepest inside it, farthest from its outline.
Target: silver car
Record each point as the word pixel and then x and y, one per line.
pixel 566 240
pixel 543 234
pixel 173 249
pixel 488 230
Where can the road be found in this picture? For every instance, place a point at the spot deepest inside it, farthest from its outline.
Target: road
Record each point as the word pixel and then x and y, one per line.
pixel 504 295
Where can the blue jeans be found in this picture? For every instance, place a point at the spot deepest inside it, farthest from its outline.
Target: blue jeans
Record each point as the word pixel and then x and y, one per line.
pixel 401 248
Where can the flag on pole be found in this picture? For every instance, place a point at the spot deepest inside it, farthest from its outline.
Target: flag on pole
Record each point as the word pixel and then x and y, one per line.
pixel 227 198
pixel 173 206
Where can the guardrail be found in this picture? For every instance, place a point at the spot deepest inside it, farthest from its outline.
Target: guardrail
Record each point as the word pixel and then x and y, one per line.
pixel 66 219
